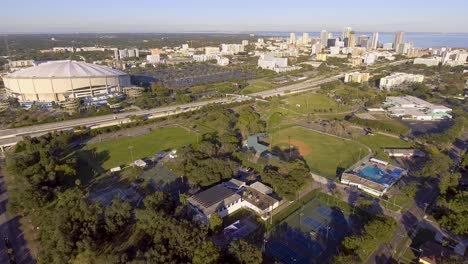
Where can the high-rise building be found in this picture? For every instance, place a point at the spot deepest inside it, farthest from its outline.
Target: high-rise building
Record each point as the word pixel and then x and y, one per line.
pixel 305 38
pixel 346 32
pixel 292 38
pixel 399 39
pixel 324 38
pixel 362 40
pixel 351 40
pixel 375 41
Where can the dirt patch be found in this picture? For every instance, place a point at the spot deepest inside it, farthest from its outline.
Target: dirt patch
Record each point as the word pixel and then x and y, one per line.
pixel 303 148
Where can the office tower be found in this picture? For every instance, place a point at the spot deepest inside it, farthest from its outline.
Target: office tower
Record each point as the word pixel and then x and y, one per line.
pixel 345 33
pixel 362 40
pixel 375 41
pixel 330 35
pixel 292 38
pixel 305 38
pixel 399 39
pixel 324 38
pixel 351 40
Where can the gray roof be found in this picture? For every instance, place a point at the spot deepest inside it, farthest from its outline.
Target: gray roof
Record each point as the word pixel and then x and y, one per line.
pixel 213 198
pixel 66 68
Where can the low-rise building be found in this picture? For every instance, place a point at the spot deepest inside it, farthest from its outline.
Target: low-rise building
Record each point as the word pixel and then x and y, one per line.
pixel 222 61
pixel 153 59
pixel 428 61
pixel 228 197
pixel 398 78
pixel 356 77
pixel 410 107
pixel 404 153
pixel 321 56
pixel 217 199
pixel 268 61
pixel 133 91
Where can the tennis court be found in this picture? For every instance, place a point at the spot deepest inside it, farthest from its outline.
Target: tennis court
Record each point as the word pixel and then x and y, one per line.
pixel 313 232
pixel 283 253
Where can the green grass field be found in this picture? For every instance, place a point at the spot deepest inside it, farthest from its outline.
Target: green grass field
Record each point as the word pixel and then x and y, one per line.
pixel 378 142
pixel 312 103
pixel 324 154
pixel 112 153
pixel 257 86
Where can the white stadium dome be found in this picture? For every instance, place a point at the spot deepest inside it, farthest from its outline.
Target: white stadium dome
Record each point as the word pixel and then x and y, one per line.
pixel 61 80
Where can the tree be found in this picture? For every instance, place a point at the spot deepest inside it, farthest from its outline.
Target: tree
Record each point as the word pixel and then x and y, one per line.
pixel 207 253
pixel 117 216
pixel 244 252
pixel 216 222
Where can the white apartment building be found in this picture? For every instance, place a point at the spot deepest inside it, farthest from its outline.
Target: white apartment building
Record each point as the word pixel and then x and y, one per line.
pixel 245 42
pixel 211 50
pixel 222 61
pixel 398 78
pixel 231 49
pixel 292 38
pixel 428 61
pixel 356 77
pixel 153 58
pixel 404 48
pixel 205 57
pixel 316 48
pixel 270 62
pixel 387 46
pixel 369 58
pixel 334 50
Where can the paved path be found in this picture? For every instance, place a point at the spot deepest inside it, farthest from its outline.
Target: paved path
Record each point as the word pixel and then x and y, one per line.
pixel 10 228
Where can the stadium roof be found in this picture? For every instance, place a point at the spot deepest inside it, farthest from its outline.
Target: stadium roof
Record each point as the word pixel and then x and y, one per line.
pixel 66 68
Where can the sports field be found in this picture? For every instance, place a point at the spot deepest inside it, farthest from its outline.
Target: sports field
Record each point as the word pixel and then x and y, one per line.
pixel 313 103
pixel 323 153
pixel 116 152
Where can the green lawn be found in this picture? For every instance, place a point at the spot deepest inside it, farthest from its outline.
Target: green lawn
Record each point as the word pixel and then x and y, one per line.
pixel 379 142
pixel 325 153
pixel 313 103
pixel 257 86
pixel 112 153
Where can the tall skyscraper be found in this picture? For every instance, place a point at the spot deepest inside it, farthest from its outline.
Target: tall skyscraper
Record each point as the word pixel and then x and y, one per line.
pixel 351 39
pixel 399 39
pixel 346 32
pixel 362 40
pixel 375 41
pixel 292 38
pixel 324 38
pixel 305 38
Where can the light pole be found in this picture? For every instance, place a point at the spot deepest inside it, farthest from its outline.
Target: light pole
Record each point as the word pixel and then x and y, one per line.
pixel 131 154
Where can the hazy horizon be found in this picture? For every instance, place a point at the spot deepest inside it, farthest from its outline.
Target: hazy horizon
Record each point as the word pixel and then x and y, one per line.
pixel 183 16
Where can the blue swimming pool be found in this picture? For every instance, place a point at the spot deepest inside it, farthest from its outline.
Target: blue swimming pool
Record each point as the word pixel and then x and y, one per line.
pixel 380 176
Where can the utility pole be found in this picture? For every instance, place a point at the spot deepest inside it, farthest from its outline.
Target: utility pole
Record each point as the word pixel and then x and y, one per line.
pixel 289 143
pixel 131 154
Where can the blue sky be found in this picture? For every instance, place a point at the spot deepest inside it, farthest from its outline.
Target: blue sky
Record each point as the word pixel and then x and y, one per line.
pixel 19 16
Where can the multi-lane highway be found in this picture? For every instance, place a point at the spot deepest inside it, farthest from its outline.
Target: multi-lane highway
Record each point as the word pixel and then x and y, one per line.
pixel 11 136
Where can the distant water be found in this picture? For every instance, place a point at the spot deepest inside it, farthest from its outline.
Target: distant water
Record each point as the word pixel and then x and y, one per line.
pixel 420 40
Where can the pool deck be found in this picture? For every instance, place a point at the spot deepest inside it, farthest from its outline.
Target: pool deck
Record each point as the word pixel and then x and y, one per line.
pixel 374 176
